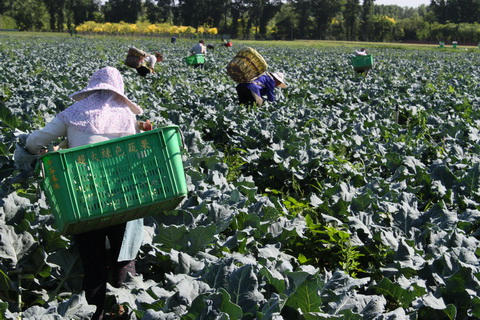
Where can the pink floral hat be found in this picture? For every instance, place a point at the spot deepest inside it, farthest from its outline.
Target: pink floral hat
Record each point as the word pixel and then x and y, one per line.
pixel 110 79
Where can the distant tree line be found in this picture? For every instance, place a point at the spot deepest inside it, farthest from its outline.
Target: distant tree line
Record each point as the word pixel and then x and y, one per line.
pixel 261 19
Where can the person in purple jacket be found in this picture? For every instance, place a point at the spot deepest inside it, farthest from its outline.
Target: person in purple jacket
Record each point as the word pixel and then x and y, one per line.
pixel 255 91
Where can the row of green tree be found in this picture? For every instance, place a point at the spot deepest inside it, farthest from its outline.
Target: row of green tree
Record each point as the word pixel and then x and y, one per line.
pixel 262 19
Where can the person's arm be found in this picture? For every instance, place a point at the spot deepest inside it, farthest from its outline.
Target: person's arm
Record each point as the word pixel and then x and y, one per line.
pixel 40 138
pixel 268 85
pixel 271 93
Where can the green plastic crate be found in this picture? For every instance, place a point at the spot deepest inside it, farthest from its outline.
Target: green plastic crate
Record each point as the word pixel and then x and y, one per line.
pixel 195 59
pixel 362 61
pixel 111 182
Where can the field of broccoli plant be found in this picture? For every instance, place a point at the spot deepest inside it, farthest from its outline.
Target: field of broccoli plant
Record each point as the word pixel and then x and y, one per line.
pixel 349 198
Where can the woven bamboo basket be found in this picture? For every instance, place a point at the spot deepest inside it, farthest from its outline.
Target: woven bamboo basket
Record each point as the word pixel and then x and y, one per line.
pixel 246 65
pixel 135 57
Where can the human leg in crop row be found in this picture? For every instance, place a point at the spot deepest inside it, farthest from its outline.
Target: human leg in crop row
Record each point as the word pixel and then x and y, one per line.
pixel 247 97
pixel 98 260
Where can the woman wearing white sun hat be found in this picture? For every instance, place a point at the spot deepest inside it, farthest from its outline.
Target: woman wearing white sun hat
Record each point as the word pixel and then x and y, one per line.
pixel 102 112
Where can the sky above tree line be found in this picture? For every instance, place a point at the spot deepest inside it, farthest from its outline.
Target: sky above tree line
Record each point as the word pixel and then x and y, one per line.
pixel 403 3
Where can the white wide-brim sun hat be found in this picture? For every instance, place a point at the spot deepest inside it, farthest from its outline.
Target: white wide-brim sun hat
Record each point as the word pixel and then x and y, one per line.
pixel 280 77
pixel 108 79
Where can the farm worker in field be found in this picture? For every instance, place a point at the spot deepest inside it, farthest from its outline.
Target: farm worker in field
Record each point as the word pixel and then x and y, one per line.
pixel 199 48
pixel 361 52
pixel 102 112
pixel 253 92
pixel 148 64
pixel 226 43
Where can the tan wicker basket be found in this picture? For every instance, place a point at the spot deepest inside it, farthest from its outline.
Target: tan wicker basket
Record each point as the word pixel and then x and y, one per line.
pixel 135 57
pixel 246 65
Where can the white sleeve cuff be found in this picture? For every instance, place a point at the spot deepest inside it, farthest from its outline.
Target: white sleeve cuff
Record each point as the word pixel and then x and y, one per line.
pixel 40 138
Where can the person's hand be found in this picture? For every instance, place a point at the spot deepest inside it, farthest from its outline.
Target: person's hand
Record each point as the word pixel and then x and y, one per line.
pixel 145 126
pixel 45 150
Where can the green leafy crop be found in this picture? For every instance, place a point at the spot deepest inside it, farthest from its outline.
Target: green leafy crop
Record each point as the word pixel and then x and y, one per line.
pixel 347 198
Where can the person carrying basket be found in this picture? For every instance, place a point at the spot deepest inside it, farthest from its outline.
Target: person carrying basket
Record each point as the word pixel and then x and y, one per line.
pixel 362 62
pixel 148 64
pixel 254 83
pixel 199 49
pixel 141 61
pixel 102 112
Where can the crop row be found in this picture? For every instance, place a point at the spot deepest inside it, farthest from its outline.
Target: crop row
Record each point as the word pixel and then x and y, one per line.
pixel 348 198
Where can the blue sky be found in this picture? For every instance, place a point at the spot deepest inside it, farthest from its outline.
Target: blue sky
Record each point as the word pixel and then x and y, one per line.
pixel 404 3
